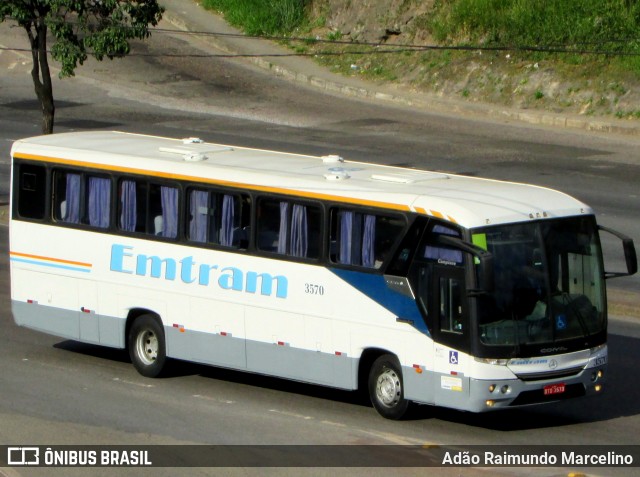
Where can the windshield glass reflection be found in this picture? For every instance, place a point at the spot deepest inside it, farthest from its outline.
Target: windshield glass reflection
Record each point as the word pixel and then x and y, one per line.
pixel 548 283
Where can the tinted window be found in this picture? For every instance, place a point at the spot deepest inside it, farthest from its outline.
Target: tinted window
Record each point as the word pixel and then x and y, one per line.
pixel 289 228
pixel 148 208
pixel 31 191
pixel 217 218
pixel 362 239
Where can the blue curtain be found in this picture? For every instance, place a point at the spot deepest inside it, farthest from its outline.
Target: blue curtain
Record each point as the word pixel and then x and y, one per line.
pixel 284 226
pixel 442 253
pixel 128 215
pixel 72 198
pixel 99 201
pixel 356 240
pixel 169 199
pixel 346 234
pixel 299 231
pixel 228 214
pixel 199 210
pixel 368 241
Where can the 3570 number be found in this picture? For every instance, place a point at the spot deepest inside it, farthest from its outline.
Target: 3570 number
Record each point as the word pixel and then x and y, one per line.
pixel 312 289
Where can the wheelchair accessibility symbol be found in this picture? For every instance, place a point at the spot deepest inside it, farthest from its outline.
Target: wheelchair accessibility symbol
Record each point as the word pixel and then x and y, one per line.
pixel 561 322
pixel 453 357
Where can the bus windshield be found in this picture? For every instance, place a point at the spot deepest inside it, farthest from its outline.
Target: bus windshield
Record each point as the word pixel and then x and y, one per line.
pixel 549 284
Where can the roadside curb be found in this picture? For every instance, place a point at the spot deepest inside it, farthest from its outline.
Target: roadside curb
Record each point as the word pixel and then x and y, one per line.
pixel 323 79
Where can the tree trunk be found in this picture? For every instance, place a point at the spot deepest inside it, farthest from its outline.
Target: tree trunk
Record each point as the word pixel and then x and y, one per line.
pixel 40 72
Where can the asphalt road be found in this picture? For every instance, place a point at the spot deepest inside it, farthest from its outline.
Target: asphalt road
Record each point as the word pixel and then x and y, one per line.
pixel 54 391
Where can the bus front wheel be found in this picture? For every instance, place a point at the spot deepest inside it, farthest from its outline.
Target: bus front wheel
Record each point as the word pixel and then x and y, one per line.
pixel 385 387
pixel 147 346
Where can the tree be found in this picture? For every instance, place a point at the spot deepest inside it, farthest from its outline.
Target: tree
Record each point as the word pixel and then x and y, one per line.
pixel 78 28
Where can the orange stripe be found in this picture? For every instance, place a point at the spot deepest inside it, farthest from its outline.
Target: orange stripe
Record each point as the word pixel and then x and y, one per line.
pixel 58 260
pixel 435 213
pixel 236 185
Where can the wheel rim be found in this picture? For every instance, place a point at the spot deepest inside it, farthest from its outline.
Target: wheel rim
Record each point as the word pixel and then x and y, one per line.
pixel 388 388
pixel 147 346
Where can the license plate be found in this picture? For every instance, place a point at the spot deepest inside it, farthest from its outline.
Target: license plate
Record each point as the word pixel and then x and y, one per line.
pixel 554 389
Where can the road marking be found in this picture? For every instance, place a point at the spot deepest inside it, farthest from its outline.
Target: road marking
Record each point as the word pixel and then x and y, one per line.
pixel 291 414
pixel 142 385
pixel 331 423
pixel 208 398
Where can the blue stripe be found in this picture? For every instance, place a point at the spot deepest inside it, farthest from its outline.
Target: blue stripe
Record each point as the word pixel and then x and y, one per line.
pixel 375 287
pixel 51 265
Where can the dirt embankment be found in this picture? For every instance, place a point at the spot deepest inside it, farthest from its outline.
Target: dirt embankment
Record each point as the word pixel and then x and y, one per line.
pixel 585 85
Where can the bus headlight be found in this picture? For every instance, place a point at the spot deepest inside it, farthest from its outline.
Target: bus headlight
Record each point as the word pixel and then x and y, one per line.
pixel 492 361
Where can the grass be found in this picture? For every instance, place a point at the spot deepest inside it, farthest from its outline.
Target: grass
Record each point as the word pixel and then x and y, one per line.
pixel 262 17
pixel 594 25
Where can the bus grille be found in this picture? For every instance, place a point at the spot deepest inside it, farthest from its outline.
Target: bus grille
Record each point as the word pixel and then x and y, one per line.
pixel 562 373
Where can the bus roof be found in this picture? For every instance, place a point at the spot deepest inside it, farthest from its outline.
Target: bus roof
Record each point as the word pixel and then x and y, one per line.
pixel 467 201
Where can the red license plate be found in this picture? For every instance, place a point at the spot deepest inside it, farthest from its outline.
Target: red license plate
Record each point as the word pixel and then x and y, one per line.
pixel 554 389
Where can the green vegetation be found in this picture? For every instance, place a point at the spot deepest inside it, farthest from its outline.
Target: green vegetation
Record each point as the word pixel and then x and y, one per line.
pixel 261 17
pixel 578 56
pixel 582 25
pixel 73 31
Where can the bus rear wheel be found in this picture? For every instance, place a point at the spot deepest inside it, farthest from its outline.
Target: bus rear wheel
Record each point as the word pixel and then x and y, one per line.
pixel 147 346
pixel 385 388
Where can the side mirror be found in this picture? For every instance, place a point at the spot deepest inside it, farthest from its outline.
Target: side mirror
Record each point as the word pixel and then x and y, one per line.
pixel 485 259
pixel 629 249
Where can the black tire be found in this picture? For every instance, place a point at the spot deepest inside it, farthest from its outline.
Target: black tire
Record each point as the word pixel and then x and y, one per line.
pixel 386 389
pixel 147 347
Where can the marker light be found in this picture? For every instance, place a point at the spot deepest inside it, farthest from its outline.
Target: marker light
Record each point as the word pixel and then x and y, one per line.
pixel 490 403
pixel 492 388
pixel 598 387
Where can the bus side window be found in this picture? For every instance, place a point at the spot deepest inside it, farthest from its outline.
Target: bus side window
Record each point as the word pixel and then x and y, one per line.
pixel 148 208
pixel 451 316
pixel 218 218
pixel 67 192
pixel 289 228
pixel 31 191
pixel 78 198
pixel 362 239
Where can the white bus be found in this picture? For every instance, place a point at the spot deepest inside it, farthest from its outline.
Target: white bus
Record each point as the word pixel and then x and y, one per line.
pixel 416 286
